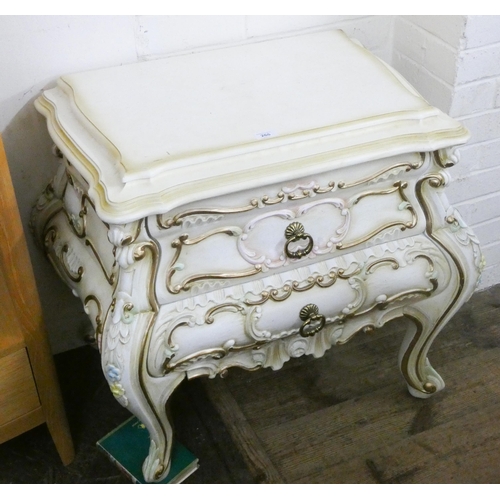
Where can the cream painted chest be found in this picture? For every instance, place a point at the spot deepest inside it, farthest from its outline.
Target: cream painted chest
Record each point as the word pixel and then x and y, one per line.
pixel 246 205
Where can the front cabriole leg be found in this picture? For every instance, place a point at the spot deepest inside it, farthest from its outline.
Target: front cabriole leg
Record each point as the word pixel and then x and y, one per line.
pixel 125 343
pixel 446 228
pixel 420 376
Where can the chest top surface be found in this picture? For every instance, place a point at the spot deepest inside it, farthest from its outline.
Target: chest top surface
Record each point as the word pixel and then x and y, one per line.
pixel 151 136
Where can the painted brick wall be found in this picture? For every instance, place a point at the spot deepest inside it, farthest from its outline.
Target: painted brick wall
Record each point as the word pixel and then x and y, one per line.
pixel 454 61
pixel 160 35
pixel 477 104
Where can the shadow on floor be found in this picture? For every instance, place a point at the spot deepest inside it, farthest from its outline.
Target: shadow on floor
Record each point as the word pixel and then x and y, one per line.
pixel 93 412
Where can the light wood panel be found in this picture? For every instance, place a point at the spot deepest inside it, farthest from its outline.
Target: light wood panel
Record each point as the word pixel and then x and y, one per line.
pixel 17 388
pixel 11 339
pixel 26 319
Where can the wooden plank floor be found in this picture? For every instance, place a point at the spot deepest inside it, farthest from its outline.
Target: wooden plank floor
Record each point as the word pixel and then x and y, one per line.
pixel 348 418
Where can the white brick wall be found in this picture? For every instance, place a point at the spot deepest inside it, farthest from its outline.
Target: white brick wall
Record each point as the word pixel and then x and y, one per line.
pixel 482 31
pixel 425 52
pixel 474 97
pixel 160 35
pixel 454 61
pixel 477 105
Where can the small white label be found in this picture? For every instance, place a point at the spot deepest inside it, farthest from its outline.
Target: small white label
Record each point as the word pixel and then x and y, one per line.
pixel 264 135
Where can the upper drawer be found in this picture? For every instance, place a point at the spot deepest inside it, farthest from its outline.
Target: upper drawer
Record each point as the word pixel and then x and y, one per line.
pixel 219 241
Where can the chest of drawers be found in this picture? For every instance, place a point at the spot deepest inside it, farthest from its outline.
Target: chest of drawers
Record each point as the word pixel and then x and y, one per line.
pixel 241 206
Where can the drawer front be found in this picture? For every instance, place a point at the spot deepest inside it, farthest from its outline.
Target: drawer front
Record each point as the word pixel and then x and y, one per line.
pixel 76 242
pixel 18 394
pixel 244 235
pixel 210 332
pixel 86 224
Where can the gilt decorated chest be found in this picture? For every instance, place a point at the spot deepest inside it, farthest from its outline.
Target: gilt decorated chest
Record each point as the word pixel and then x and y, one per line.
pixel 241 206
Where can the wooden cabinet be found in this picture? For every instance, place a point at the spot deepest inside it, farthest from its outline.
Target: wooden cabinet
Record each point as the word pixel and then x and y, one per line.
pixel 29 390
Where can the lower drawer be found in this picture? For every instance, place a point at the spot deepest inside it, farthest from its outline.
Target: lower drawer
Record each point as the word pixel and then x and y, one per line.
pixel 18 394
pixel 209 332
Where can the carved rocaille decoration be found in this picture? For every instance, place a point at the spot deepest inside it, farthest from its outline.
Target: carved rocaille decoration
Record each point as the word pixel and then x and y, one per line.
pixel 197 246
pixel 293 243
pixel 324 302
pixel 297 192
pixel 357 277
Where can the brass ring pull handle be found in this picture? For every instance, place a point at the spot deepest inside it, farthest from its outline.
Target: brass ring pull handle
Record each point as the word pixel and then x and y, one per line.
pixel 310 315
pixel 295 232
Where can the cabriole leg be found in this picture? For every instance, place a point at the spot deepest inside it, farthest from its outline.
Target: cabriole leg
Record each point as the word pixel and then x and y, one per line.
pixel 124 365
pixel 448 231
pixel 157 464
pixel 126 342
pixel 422 379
